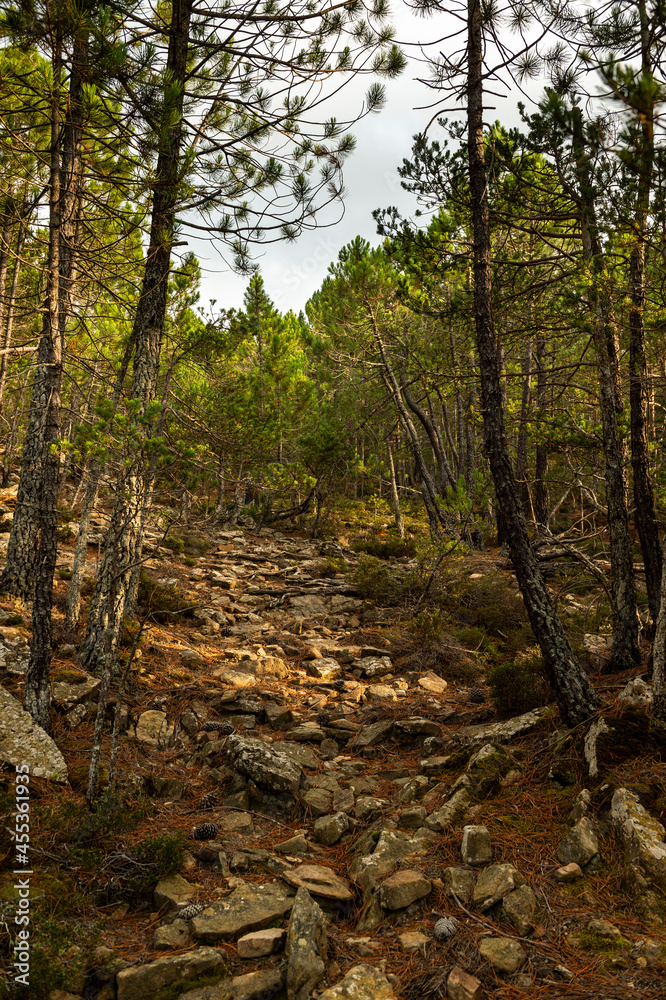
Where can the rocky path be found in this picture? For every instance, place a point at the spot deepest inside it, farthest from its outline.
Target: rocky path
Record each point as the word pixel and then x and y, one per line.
pixel 354 829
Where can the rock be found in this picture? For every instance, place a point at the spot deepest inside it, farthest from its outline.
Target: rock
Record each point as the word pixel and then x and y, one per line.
pixel 190 658
pixel 642 837
pixel 307 606
pixel 391 847
pixel 22 741
pixel 461 986
pixel 367 807
pixel 307 733
pixel 637 692
pixel 604 928
pixel 416 726
pixel 250 907
pixel 67 694
pixel 504 954
pixel 445 928
pixel 501 732
pixel 319 881
pixel 487 768
pixel 413 817
pixel 174 891
pixel 279 717
pixel 458 882
pixel 267 767
pixel 568 873
pixel 252 986
pixel 380 692
pixel 431 682
pixel 166 788
pixel 328 829
pixel 373 666
pixel 451 812
pixel 306 947
pixel 325 668
pixel 494 883
pixel 403 888
pixel 414 941
pixel 236 822
pixel 235 678
pixel 256 944
pixel 295 845
pixel 580 844
pixel 476 849
pixel 317 801
pixel 371 735
pixel 328 749
pixel 175 935
pixel 521 908
pixel 152 727
pixel 143 982
pixel 362 982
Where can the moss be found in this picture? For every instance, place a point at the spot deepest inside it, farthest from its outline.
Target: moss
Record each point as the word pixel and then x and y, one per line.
pixel 67 676
pixel 13 621
pixel 65 574
pixel 588 940
pixel 518 686
pixel 459 760
pixel 163 602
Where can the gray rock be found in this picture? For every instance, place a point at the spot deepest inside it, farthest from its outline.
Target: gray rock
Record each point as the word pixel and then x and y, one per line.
pixel 398 891
pixel 391 847
pixel 521 908
pixel 476 849
pixel 642 837
pixel 501 732
pixel 317 801
pixel 504 954
pixel 306 947
pixel 362 982
pixel 256 944
pixel 175 935
pixel 458 882
pixel 142 982
pixel 413 817
pixel 68 693
pixel 252 986
pixel 328 829
pixel 268 767
pixel 319 881
pixel 309 732
pixel 174 891
pixel 249 908
pixel 190 658
pixel 324 668
pixel 279 717
pixel 373 666
pixel 295 845
pixel 451 812
pixel 494 883
pixel 22 741
pixel 580 845
pixel 413 789
pixel 371 735
pixel 417 726
pixel 367 807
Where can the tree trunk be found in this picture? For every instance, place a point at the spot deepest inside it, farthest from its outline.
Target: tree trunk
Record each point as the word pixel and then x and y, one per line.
pixel 9 308
pixel 575 697
pixel 521 450
pixel 123 544
pixel 395 499
pixel 541 454
pixel 624 651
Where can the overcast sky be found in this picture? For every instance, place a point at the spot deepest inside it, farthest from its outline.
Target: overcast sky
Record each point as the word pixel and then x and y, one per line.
pixel 293 271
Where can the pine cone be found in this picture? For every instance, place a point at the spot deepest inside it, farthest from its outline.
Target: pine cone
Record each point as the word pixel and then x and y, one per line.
pixel 476 696
pixel 190 911
pixel 339 686
pixel 323 718
pixel 205 831
pixel 223 728
pixel 445 928
pixel 209 800
pixel 225 632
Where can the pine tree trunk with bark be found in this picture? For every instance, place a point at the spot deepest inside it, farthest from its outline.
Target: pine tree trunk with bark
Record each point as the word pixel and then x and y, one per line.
pixel 575 696
pixel 123 544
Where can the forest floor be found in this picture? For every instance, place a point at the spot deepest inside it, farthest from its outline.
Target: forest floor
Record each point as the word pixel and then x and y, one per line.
pixel 384 712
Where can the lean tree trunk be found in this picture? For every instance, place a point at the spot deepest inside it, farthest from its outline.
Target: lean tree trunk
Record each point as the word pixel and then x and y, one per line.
pixel 575 697
pixel 541 453
pixel 645 515
pixel 42 470
pixel 624 651
pixel 123 544
pixel 395 499
pixel 9 308
pixel 521 450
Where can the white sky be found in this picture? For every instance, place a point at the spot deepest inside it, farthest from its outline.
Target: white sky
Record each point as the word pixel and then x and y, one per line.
pixel 293 271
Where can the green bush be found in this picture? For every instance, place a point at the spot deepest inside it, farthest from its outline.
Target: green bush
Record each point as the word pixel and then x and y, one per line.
pixel 176 545
pixel 164 603
pixel 518 686
pixel 394 547
pixel 378 582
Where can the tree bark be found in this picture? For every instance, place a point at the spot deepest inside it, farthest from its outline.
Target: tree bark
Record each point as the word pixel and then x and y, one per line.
pixel 521 450
pixel 395 499
pixel 123 544
pixel 575 696
pixel 541 453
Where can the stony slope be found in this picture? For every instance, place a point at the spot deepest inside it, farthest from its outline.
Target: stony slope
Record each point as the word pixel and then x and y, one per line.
pixel 355 826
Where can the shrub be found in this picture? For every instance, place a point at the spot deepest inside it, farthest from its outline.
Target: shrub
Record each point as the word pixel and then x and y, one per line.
pixel 377 582
pixel 518 686
pixel 394 547
pixel 164 602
